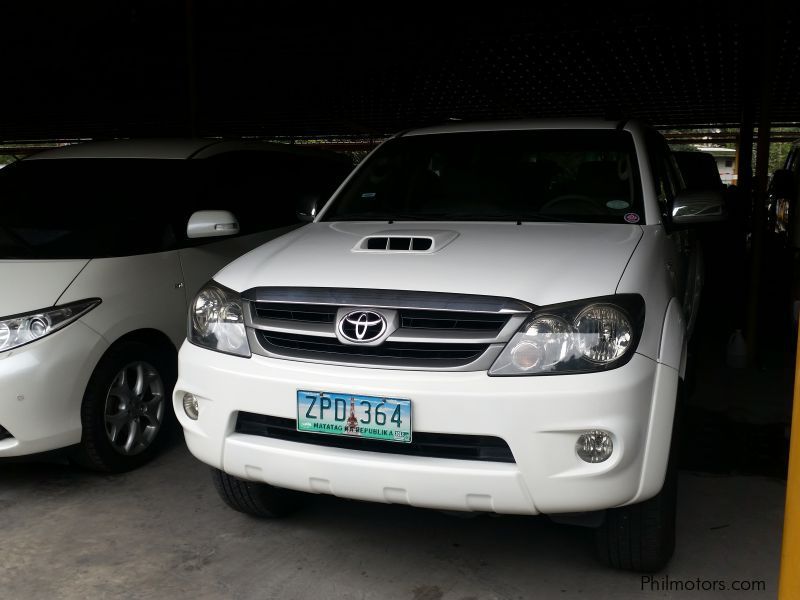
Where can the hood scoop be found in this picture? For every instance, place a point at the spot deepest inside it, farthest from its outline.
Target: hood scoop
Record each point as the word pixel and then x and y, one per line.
pixel 405 242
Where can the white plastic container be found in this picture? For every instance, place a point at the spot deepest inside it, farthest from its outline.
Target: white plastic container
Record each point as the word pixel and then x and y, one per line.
pixel 737 351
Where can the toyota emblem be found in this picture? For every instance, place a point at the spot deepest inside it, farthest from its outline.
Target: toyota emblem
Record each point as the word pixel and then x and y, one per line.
pixel 362 326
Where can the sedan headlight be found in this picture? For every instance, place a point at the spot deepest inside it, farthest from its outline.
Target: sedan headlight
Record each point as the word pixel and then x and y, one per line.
pixel 578 337
pixel 23 329
pixel 216 321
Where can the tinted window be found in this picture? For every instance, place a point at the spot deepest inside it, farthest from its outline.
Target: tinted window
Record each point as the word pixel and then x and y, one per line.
pixel 699 170
pixel 262 187
pixel 567 175
pixel 665 170
pixel 84 208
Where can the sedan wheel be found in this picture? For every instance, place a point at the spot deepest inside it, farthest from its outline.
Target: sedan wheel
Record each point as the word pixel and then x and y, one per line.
pixel 126 407
pixel 134 408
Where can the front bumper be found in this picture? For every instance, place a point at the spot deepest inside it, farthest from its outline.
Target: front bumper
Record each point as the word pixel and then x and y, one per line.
pixel 41 389
pixel 539 417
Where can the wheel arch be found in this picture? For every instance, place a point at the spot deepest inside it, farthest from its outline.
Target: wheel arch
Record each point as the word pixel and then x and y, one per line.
pixel 150 337
pixel 674 344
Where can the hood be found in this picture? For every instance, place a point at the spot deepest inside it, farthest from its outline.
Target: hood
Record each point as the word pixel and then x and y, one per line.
pixel 540 263
pixel 33 284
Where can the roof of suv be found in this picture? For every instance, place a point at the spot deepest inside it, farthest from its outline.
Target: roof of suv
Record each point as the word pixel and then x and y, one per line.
pixel 521 124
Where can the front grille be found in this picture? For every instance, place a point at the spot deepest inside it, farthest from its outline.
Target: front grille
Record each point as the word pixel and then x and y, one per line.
pixel 409 319
pixel 424 330
pixel 432 445
pixel 398 350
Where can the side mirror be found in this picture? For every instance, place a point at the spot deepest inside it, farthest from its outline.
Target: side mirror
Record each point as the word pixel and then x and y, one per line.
pixel 306 207
pixel 783 184
pixel 212 223
pixel 697 207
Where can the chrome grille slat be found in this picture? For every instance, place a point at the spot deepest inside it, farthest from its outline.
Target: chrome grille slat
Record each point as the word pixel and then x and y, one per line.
pixel 430 351
pixel 387 299
pixel 324 330
pixel 427 338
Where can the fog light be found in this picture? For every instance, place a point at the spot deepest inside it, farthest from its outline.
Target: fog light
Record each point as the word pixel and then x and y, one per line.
pixel 191 406
pixel 594 446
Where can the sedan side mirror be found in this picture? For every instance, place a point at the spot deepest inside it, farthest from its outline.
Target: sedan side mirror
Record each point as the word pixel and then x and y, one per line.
pixel 306 207
pixel 691 207
pixel 212 223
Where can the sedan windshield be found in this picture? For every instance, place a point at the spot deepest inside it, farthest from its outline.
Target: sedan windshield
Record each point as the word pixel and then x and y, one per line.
pixel 88 208
pixel 543 175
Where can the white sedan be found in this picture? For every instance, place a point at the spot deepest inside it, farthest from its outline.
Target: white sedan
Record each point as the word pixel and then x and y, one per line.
pixel 102 245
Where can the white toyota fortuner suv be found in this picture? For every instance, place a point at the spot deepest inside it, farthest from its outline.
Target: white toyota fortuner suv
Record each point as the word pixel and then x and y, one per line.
pixel 484 317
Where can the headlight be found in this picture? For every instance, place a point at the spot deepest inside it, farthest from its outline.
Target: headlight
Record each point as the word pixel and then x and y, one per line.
pixel 23 329
pixel 579 337
pixel 216 321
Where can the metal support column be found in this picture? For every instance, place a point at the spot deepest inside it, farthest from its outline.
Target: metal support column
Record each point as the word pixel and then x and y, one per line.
pixel 767 47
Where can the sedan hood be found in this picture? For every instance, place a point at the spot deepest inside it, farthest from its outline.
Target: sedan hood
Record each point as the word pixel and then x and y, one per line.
pixel 540 263
pixel 33 284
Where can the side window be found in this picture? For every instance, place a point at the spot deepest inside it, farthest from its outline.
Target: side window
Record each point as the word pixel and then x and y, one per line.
pixel 247 183
pixel 262 187
pixel 660 165
pixel 667 175
pixel 256 186
pixel 673 172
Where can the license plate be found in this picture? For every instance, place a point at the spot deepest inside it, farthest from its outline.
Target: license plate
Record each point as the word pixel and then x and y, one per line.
pixel 370 417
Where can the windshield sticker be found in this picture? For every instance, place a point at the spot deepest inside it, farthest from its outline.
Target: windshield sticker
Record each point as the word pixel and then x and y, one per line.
pixel 617 204
pixel 631 218
pixel 369 195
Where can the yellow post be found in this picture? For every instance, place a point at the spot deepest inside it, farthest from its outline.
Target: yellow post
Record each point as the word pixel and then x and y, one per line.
pixel 789 587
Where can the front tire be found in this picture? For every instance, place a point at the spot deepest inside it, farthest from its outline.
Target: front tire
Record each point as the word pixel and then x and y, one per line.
pixel 641 537
pixel 253 498
pixel 126 410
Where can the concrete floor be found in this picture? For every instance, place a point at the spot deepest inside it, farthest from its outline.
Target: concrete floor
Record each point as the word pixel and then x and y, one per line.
pixel 161 532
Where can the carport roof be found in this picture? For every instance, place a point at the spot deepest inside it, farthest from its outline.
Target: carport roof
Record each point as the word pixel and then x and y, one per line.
pixel 239 68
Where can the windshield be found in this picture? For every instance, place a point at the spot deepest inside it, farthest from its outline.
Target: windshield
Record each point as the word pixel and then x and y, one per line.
pixel 88 208
pixel 553 175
